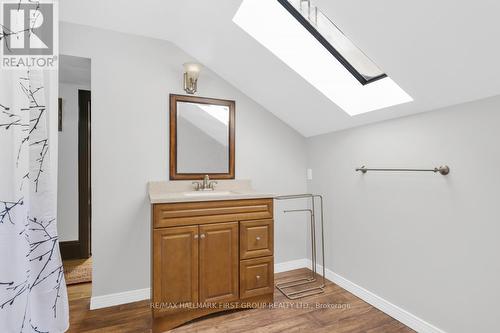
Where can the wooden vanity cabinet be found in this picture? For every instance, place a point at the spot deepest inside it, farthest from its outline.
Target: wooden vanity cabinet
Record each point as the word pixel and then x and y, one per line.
pixel 208 257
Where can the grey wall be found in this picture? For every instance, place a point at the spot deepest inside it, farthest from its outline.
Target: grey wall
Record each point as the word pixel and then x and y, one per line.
pixel 422 241
pixel 131 79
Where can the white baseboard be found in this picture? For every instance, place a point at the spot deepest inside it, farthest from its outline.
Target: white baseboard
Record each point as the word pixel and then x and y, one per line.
pixel 383 305
pixel 104 301
pixel 292 264
pixel 410 320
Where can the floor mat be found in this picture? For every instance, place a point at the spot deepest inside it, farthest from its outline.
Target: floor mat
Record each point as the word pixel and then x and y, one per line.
pixel 78 270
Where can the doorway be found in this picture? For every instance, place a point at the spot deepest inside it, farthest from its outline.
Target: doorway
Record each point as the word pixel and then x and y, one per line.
pixel 74 171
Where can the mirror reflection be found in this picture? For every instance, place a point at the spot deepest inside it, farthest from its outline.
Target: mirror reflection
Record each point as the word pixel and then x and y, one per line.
pixel 202 138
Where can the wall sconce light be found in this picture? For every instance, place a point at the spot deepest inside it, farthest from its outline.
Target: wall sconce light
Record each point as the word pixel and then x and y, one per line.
pixel 191 74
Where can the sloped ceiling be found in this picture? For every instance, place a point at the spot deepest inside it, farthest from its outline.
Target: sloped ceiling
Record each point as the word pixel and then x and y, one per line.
pixel 441 52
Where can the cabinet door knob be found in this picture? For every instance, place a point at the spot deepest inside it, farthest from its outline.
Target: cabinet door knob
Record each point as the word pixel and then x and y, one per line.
pixel 257 238
pixel 257 277
pixel 196 236
pixel 202 236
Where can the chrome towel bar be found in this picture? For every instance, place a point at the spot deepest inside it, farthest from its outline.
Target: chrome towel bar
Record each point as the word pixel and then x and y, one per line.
pixel 444 169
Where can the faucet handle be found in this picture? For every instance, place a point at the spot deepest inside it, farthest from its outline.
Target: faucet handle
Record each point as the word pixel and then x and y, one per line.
pixel 212 184
pixel 196 186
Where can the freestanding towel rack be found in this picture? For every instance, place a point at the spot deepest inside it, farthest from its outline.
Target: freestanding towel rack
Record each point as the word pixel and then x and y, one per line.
pixel 307 286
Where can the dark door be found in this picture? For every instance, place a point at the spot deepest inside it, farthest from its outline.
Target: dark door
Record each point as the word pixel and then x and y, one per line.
pixel 80 248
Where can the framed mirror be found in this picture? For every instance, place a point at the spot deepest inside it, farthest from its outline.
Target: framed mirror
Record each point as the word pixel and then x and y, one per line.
pixel 201 138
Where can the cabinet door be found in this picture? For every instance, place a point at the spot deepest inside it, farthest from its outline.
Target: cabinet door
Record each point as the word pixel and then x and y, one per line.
pixel 219 262
pixel 175 267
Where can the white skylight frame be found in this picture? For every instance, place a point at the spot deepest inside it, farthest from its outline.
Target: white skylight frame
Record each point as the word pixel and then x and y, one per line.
pixel 275 28
pixel 334 40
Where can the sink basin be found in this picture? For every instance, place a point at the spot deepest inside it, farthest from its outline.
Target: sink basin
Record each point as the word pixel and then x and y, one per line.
pixel 207 193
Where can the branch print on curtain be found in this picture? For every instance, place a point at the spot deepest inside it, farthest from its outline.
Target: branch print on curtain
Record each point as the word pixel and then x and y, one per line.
pixel 32 287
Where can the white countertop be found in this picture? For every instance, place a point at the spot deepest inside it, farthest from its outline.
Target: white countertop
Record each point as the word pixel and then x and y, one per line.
pixel 182 191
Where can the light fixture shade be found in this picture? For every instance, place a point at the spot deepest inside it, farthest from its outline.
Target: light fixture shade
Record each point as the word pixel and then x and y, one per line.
pixel 191 73
pixel 192 69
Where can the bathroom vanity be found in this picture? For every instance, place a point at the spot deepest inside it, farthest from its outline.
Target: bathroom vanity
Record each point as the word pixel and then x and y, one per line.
pixel 211 250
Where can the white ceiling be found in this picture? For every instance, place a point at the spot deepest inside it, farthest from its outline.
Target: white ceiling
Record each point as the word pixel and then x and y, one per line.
pixel 440 52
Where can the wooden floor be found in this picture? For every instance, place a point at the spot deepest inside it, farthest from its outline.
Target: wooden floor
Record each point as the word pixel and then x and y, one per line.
pixel 346 313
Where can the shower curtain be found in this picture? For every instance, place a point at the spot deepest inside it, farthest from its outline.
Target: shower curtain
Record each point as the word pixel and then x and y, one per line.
pixel 32 287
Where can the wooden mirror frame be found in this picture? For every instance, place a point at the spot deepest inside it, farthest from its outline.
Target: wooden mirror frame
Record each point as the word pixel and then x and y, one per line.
pixel 174 175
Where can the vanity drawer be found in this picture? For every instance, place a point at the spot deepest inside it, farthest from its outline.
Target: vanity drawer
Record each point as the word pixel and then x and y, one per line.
pixel 256 277
pixel 256 239
pixel 192 213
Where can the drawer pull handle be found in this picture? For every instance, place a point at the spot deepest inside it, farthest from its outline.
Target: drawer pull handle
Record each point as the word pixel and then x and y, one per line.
pixel 257 238
pixel 258 277
pixel 202 236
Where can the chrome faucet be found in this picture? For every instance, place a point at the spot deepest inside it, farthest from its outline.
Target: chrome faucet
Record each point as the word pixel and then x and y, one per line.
pixel 205 185
pixel 206 181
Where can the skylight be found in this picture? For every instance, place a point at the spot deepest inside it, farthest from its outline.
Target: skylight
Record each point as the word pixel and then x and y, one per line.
pixel 309 43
